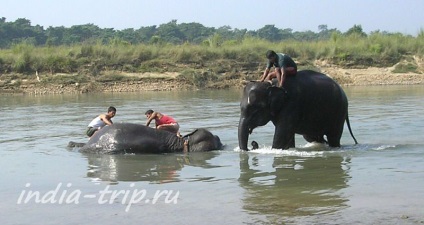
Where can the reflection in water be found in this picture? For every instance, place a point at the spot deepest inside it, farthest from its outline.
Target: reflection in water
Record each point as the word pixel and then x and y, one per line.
pixel 293 186
pixel 150 168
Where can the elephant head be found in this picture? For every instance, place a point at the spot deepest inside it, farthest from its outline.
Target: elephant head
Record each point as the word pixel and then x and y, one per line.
pixel 202 140
pixel 260 103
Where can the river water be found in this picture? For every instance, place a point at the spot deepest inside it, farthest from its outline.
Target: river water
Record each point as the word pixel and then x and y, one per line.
pixel 378 181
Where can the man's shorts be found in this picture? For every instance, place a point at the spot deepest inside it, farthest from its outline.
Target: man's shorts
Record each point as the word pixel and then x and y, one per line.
pixel 90 131
pixel 290 71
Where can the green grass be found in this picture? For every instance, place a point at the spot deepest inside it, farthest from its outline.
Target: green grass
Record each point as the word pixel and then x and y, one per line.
pixel 191 60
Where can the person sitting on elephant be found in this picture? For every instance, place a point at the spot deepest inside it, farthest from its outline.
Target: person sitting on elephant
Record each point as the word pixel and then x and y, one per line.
pixel 163 122
pixel 284 66
pixel 101 121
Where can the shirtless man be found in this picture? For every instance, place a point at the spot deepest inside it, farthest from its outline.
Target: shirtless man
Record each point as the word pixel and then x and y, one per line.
pixel 283 64
pixel 163 122
pixel 101 121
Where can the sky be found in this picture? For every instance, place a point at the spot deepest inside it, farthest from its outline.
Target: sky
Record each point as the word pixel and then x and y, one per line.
pixel 404 16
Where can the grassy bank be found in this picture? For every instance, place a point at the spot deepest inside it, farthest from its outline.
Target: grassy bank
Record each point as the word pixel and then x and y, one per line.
pixel 202 66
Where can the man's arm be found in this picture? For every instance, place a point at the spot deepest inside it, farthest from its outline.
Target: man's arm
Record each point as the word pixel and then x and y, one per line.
pixel 281 77
pixel 265 74
pixel 151 118
pixel 105 119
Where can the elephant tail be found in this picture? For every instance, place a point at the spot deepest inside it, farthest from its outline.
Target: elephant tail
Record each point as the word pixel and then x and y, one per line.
pixel 350 129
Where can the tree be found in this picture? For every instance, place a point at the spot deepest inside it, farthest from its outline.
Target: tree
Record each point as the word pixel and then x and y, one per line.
pixel 83 33
pixel 225 33
pixel 322 28
pixel 270 32
pixel 195 32
pixel 145 34
pixel 287 34
pixel 323 32
pixel 239 35
pixel 128 35
pixel 20 31
pixel 55 35
pixel 305 36
pixel 169 32
pixel 356 30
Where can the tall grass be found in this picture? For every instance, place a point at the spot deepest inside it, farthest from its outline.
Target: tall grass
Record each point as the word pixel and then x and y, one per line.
pixel 375 50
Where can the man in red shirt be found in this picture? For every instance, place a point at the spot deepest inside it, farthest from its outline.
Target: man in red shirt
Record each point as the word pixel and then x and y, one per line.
pixel 163 122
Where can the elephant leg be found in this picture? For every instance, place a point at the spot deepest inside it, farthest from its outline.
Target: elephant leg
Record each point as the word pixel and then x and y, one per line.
pixel 333 141
pixel 291 142
pixel 315 138
pixel 335 135
pixel 283 139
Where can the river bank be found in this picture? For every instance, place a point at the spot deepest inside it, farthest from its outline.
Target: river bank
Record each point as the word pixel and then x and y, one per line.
pixel 173 81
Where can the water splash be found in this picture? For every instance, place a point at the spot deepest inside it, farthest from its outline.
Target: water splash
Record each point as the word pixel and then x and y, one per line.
pixel 318 149
pixel 383 147
pixel 308 150
pixel 367 147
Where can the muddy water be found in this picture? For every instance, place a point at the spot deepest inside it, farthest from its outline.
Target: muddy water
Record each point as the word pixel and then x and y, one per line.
pixel 379 181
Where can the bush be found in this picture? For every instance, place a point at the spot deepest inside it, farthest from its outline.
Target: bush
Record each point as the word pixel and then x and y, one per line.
pixel 111 78
pixel 23 63
pixel 55 64
pixel 405 68
pixel 197 78
pixel 144 55
pixel 184 56
pixel 86 51
pixel 2 65
pixel 66 79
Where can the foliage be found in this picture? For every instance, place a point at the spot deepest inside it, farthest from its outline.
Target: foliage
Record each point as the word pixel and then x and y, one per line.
pixel 198 79
pixel 65 79
pixel 172 32
pixel 405 68
pixel 356 30
pixel 190 48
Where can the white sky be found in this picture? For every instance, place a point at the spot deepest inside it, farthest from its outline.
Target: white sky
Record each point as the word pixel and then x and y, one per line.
pixel 405 16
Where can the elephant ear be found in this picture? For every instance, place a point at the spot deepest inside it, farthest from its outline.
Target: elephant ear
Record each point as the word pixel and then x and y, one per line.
pixel 189 134
pixel 255 98
pixel 276 97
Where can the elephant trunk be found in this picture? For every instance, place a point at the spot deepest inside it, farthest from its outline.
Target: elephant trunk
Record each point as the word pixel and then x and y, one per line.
pixel 243 134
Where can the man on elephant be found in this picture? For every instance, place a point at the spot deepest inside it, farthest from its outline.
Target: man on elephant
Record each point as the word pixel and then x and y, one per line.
pixel 162 121
pixel 284 66
pixel 101 121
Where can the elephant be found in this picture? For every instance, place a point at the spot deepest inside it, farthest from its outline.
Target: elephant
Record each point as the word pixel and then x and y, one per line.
pixel 310 103
pixel 137 138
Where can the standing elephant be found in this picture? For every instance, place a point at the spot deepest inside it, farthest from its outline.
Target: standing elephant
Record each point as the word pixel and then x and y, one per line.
pixel 310 103
pixel 136 138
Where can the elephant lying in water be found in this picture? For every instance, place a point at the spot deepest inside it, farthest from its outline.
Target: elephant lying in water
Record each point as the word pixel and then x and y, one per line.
pixel 136 138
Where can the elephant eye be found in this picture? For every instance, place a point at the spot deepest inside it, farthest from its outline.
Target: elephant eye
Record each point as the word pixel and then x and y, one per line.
pixel 252 109
pixel 256 105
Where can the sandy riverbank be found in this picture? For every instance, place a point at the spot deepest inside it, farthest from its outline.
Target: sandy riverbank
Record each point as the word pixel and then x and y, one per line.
pixel 169 82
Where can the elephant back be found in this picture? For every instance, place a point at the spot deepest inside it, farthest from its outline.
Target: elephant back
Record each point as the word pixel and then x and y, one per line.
pixel 309 81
